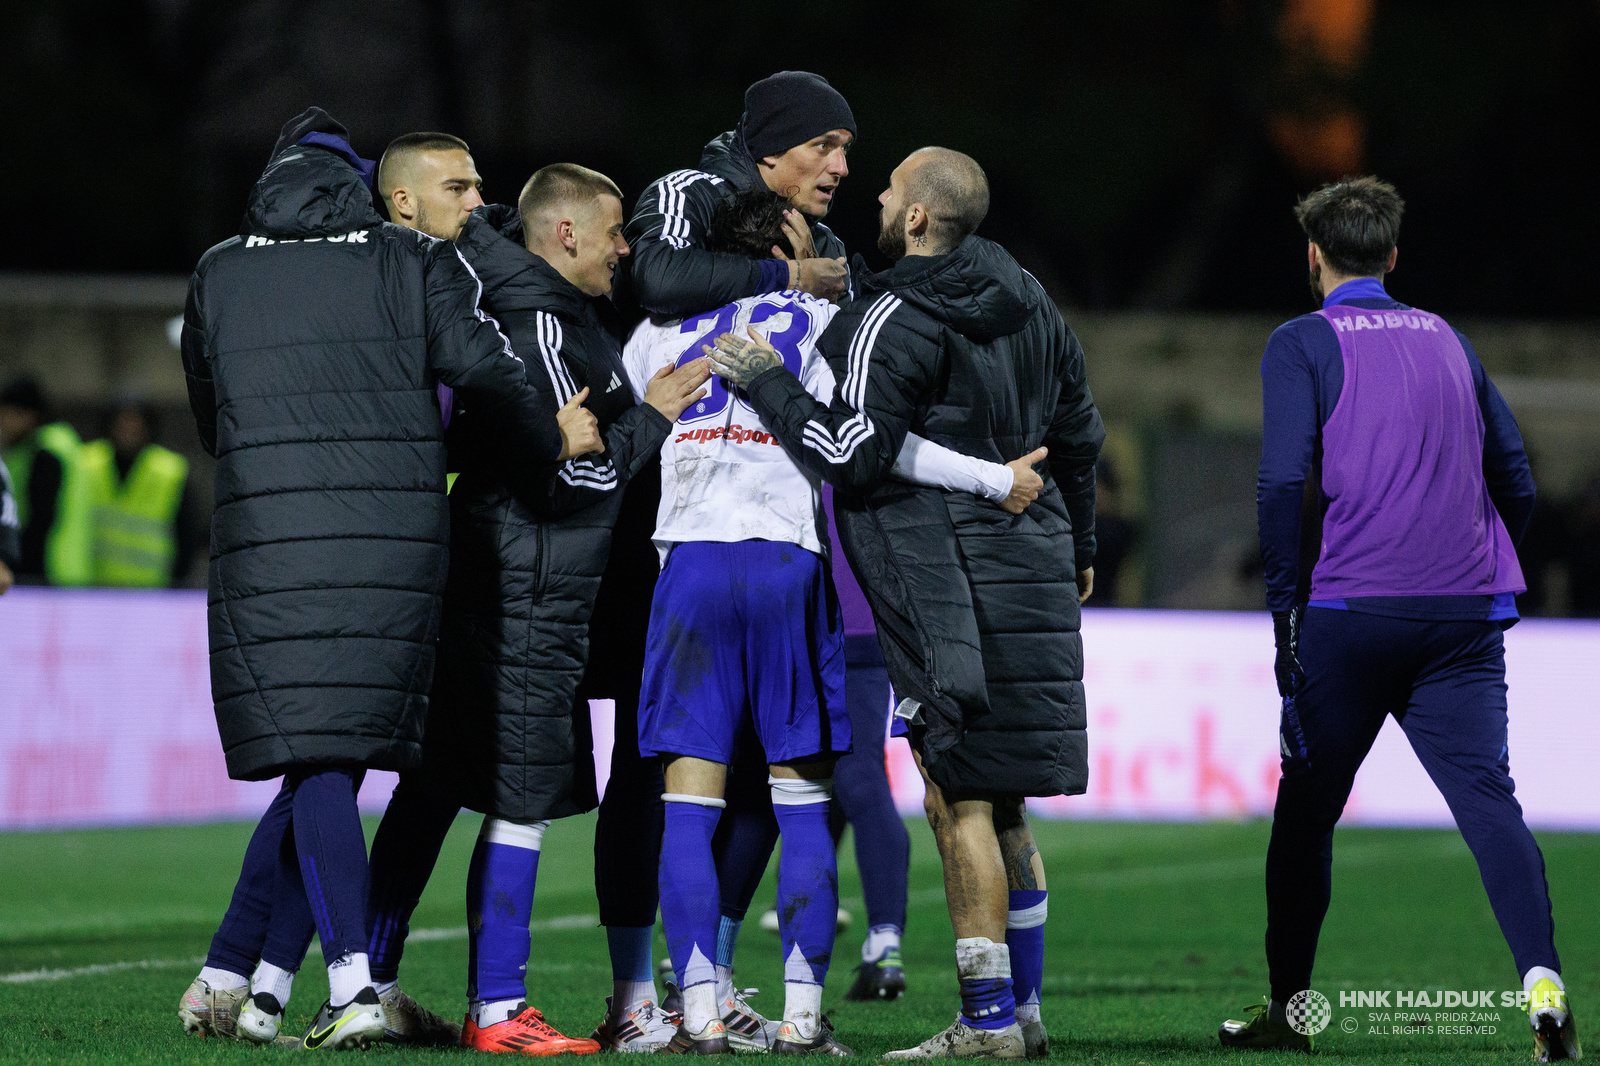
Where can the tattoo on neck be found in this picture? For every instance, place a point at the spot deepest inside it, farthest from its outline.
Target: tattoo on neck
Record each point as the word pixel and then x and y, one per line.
pixel 919 239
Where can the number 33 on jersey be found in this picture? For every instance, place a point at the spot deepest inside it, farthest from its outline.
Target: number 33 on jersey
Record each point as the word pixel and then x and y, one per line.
pixel 720 455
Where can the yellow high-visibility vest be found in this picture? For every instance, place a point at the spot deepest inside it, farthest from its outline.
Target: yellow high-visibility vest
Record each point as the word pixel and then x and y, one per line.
pixel 68 546
pixel 135 522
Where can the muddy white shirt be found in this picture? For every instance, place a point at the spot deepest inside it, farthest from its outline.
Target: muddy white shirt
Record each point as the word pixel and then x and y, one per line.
pixel 724 477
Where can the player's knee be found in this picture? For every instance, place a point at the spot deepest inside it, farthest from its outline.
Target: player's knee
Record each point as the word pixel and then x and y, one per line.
pixel 1009 814
pixel 798 792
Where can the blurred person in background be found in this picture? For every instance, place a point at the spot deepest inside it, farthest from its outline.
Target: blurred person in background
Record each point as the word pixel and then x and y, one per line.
pixel 961 345
pixel 1115 533
pixel 10 531
pixel 1544 552
pixel 57 544
pixel 1421 490
pixel 146 520
pixel 1582 551
pixel 318 323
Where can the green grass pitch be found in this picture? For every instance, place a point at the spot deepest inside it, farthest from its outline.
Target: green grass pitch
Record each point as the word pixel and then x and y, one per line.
pixel 1154 937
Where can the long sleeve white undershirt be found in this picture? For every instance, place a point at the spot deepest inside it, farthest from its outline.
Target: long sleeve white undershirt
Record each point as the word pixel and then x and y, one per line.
pixel 922 462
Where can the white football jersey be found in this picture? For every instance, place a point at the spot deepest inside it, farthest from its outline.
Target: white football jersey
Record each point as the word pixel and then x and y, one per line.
pixel 724 477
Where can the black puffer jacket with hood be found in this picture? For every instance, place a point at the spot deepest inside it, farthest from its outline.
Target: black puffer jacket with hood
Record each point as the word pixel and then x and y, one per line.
pixel 528 547
pixel 313 344
pixel 977 609
pixel 671 272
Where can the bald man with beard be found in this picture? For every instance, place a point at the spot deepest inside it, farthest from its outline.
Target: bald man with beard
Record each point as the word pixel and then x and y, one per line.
pixel 977 609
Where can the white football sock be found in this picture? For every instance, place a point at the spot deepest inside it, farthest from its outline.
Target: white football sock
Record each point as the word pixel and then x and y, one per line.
pixel 802 1007
pixel 724 983
pixel 1529 979
pixel 493 1012
pixel 272 981
pixel 980 958
pixel 347 975
pixel 700 1006
pixel 1028 1012
pixel 1546 1004
pixel 880 938
pixel 626 995
pixel 383 988
pixel 224 979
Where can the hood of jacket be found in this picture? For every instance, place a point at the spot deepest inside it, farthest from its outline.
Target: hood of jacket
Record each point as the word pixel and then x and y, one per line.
pixel 977 289
pixel 727 156
pixel 515 279
pixel 310 189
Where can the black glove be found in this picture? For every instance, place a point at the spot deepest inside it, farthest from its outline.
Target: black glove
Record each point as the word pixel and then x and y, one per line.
pixel 1286 635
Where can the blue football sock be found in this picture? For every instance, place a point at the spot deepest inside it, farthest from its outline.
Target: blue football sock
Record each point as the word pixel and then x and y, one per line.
pixel 745 837
pixel 245 927
pixel 727 939
pixel 984 967
pixel 689 897
pixel 404 852
pixel 289 935
pixel 632 952
pixel 500 884
pixel 987 1003
pixel 1025 938
pixel 332 856
pixel 808 879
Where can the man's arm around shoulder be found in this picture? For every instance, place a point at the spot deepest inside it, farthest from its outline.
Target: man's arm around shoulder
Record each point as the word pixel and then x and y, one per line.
pixel 672 271
pixel 467 351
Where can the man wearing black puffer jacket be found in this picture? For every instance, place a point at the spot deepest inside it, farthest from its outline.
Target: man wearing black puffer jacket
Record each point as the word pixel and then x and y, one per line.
pixel 977 610
pixel 528 547
pixel 793 138
pixel 314 344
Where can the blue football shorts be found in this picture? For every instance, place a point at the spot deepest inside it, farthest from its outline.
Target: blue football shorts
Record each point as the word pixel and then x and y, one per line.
pixel 744 632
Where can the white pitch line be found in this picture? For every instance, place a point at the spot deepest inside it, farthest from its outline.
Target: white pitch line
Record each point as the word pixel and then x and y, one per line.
pixel 457 932
pixel 29 976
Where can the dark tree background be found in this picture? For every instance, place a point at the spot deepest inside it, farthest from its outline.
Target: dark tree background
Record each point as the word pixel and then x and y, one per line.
pixel 1143 153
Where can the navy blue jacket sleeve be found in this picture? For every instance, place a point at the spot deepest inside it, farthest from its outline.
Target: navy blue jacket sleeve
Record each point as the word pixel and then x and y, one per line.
pixel 1290 423
pixel 1505 460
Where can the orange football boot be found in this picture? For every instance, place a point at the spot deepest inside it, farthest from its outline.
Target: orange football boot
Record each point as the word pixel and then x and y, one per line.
pixel 525 1034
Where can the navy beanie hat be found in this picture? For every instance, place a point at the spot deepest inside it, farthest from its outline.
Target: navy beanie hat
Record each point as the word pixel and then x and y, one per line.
pixel 790 108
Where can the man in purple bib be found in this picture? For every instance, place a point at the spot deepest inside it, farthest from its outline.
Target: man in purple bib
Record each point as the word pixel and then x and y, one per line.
pixel 1393 489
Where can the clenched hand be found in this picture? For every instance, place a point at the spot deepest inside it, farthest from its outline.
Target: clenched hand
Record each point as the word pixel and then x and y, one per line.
pixel 826 279
pixel 580 430
pixel 674 388
pixel 1025 481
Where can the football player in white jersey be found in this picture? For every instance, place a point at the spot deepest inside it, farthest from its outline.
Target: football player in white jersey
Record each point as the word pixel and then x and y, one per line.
pixel 745 632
